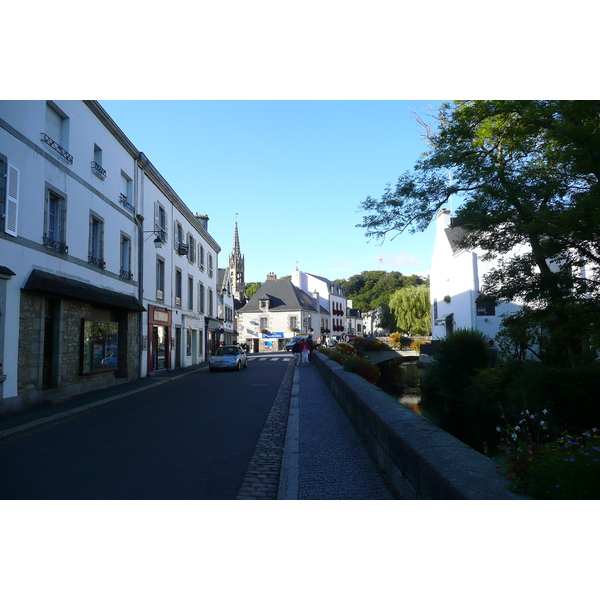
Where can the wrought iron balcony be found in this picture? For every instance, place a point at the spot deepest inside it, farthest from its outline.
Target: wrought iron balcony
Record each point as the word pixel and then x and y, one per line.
pixel 48 140
pixel 125 274
pixel 182 248
pixel 97 262
pixel 98 170
pixel 123 201
pixel 56 245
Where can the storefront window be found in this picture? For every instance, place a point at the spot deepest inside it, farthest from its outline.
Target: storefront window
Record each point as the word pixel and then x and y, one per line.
pixel 100 347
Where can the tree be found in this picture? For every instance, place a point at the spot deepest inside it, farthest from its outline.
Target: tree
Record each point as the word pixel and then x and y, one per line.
pixel 412 309
pixel 528 173
pixel 252 288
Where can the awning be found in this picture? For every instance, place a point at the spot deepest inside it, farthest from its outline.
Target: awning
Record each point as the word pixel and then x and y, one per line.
pixel 40 281
pixel 444 319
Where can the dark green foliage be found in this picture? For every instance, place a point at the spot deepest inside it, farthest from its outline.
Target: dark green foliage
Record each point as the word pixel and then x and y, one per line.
pixel 372 289
pixel 457 357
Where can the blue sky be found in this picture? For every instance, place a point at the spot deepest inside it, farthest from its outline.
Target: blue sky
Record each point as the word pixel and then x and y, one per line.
pixel 294 171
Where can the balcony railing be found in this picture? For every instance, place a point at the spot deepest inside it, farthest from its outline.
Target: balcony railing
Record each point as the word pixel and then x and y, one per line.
pixel 97 262
pixel 123 201
pixel 98 170
pixel 55 245
pixel 125 274
pixel 48 140
pixel 182 248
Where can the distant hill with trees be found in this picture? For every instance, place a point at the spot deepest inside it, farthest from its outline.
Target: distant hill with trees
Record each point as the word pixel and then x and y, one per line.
pixel 372 289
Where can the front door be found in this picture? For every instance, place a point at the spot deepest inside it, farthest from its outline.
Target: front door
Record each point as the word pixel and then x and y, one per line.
pixel 159 347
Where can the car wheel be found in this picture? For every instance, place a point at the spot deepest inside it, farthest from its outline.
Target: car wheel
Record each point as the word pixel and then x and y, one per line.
pixel 239 365
pixel 246 364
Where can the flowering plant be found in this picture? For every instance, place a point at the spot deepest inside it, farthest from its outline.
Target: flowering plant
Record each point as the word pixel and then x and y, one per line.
pixel 544 465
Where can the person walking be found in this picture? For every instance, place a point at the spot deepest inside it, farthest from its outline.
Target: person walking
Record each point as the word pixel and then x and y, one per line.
pixel 311 348
pixel 297 351
pixel 304 350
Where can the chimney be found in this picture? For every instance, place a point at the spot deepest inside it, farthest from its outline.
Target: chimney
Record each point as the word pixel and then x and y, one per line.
pixel 202 219
pixel 316 300
pixel 271 276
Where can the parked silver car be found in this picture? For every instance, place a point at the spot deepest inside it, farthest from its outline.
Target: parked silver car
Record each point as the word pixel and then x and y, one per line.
pixel 228 357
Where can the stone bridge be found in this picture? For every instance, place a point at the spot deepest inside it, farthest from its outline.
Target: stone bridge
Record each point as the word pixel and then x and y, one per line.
pixel 385 355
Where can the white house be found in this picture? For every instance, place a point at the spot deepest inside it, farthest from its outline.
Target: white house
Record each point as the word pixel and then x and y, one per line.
pixel 332 299
pixel 276 313
pixel 456 276
pixel 69 289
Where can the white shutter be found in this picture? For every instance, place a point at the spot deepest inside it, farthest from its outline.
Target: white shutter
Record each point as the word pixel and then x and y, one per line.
pixel 53 125
pixel 12 201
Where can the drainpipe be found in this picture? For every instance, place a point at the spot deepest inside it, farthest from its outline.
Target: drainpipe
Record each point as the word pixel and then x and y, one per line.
pixel 139 167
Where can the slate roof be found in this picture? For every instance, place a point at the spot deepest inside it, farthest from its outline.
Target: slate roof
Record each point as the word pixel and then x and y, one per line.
pixel 284 296
pixel 455 235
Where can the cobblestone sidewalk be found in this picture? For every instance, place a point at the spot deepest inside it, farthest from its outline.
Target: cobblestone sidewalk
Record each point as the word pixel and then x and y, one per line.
pixel 333 462
pixel 261 481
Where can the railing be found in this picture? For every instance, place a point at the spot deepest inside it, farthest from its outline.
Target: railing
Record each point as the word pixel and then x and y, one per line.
pixel 125 274
pixel 55 245
pixel 123 201
pixel 48 140
pixel 98 170
pixel 182 248
pixel 97 262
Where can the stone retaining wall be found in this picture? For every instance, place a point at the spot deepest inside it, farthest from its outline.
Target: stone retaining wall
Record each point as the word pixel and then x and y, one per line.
pixel 418 459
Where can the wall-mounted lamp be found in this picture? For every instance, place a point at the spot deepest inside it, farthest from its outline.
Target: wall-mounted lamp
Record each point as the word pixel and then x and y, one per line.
pixel 158 242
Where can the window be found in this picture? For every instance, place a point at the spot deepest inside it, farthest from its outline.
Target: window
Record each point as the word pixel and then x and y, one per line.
pixel 97 163
pixel 210 302
pixel 178 284
pixel 55 221
pixel 293 321
pixel 210 265
pixel 100 346
pixel 264 322
pixel 201 256
pixel 191 242
pixel 57 131
pixel 96 246
pixel 190 293
pixel 125 271
pixel 201 296
pixel 188 345
pixel 9 196
pixel 125 194
pixel 160 279
pixel 161 222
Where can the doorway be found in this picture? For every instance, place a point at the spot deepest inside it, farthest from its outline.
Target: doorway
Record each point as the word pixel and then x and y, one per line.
pixel 159 347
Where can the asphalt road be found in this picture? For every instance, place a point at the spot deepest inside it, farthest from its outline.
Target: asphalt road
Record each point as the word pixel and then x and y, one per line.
pixel 189 439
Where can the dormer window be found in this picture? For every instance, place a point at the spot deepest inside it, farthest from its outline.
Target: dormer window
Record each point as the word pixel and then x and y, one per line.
pixel 264 304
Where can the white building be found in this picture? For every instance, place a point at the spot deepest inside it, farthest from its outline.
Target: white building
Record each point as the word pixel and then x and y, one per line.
pixel 70 290
pixel 278 312
pixel 332 299
pixel 105 274
pixel 180 278
pixel 456 277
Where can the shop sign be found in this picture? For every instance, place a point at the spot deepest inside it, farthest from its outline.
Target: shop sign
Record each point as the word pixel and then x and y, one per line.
pixel 275 334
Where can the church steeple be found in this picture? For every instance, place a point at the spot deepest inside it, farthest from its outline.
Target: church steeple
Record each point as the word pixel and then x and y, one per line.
pixel 236 266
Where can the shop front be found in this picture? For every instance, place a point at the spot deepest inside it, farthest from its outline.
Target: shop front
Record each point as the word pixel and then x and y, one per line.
pixel 159 328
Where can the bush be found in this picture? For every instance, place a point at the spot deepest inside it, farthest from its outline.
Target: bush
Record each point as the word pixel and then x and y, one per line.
pixel 347 348
pixel 363 367
pixel 368 345
pixel 396 340
pixel 457 358
pixel 338 356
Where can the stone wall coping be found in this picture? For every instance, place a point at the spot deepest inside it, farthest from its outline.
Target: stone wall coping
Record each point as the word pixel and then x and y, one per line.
pixel 409 448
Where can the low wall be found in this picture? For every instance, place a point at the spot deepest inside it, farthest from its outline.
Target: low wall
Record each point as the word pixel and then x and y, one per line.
pixel 418 459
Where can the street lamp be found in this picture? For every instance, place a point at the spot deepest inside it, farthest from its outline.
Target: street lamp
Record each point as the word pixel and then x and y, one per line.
pixel 158 241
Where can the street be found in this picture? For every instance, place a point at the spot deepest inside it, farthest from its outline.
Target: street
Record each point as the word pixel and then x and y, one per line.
pixel 189 439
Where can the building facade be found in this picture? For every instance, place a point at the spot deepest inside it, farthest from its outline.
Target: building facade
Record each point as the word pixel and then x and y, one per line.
pixel 332 299
pixel 71 308
pixel 277 313
pixel 456 276
pixel 105 274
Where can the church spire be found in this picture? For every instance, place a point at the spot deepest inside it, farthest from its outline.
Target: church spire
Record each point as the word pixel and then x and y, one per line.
pixel 236 266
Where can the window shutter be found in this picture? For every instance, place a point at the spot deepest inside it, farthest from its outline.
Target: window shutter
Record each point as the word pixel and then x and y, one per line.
pixel 53 125
pixel 12 201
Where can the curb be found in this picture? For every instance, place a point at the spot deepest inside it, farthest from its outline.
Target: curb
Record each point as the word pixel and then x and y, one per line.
pixel 288 478
pixel 68 414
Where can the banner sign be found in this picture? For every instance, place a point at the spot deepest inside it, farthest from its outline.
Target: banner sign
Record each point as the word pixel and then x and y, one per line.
pixel 276 334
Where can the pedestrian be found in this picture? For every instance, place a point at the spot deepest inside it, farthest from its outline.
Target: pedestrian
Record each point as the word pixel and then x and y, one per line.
pixel 311 348
pixel 297 351
pixel 304 350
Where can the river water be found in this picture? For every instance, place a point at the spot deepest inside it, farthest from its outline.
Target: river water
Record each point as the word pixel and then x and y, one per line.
pixel 474 428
